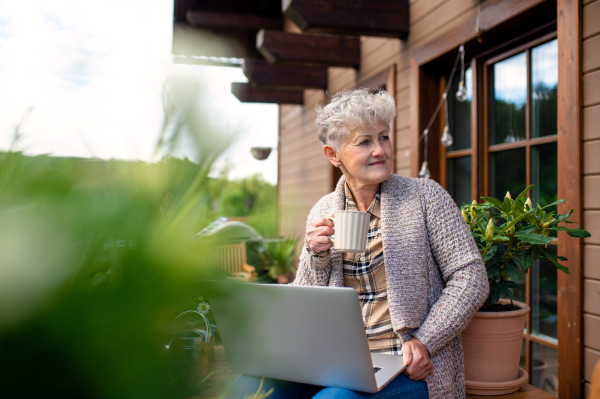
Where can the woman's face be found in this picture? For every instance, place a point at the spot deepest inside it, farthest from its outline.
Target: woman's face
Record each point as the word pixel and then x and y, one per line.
pixel 367 156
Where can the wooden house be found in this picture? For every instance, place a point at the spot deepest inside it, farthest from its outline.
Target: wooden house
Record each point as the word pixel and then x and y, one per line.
pixel 532 116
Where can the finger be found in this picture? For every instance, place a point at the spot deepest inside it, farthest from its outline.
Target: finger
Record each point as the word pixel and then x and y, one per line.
pixel 322 222
pixel 407 354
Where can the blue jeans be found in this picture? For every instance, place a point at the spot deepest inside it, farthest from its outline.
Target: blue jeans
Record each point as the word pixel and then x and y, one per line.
pixel 400 387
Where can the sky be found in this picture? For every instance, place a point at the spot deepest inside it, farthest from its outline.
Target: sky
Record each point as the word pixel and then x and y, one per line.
pixel 85 78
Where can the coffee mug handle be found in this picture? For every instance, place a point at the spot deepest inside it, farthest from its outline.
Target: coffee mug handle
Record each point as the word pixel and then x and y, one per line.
pixel 331 238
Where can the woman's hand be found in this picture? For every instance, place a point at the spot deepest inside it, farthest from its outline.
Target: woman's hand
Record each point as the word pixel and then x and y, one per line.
pixel 416 358
pixel 316 235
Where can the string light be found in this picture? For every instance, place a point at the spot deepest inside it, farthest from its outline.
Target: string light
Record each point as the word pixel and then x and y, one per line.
pixel 461 94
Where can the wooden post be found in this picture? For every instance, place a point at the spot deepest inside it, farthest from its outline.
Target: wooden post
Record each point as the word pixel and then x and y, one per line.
pixel 570 350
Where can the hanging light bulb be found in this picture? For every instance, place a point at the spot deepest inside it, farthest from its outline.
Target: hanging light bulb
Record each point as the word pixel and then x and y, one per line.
pixel 446 139
pixel 461 93
pixel 424 172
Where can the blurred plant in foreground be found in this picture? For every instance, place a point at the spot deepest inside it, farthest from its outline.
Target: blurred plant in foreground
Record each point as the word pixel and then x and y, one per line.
pixel 96 261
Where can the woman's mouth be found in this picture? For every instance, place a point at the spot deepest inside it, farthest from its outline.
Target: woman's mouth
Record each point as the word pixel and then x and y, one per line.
pixel 378 163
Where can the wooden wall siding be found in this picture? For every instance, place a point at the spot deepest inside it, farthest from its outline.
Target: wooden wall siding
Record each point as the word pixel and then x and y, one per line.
pixel 304 170
pixel 591 122
pixel 591 183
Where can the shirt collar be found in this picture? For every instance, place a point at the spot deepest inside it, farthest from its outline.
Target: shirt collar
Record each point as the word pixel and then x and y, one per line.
pixel 375 207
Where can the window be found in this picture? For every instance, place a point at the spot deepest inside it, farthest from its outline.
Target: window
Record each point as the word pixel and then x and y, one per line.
pixel 505 138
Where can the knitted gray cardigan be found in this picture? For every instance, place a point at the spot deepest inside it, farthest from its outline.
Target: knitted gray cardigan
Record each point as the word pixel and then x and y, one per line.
pixel 435 275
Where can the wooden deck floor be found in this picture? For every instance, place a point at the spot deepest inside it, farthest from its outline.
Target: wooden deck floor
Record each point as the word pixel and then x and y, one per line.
pixel 222 376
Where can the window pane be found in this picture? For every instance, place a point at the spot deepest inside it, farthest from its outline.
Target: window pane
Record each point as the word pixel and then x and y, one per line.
pixel 459 114
pixel 459 179
pixel 544 174
pixel 544 368
pixel 507 172
pixel 544 297
pixel 544 84
pixel 508 98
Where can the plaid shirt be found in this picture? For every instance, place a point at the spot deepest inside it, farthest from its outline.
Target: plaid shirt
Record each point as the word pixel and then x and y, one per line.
pixel 365 272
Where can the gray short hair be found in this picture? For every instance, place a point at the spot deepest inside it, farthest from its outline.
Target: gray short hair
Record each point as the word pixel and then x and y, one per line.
pixel 352 109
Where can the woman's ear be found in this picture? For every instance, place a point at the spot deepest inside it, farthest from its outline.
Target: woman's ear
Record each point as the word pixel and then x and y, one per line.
pixel 332 155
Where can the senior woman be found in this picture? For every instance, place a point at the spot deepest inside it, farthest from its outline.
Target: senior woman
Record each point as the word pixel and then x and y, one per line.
pixel 421 278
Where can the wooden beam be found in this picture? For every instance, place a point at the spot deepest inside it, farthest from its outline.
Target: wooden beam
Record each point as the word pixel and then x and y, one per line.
pixel 260 73
pixel 230 20
pixel 323 50
pixel 247 93
pixel 570 287
pixel 491 16
pixel 387 18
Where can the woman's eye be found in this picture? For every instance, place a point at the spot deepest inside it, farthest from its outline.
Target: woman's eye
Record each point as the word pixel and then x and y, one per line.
pixel 384 138
pixel 364 142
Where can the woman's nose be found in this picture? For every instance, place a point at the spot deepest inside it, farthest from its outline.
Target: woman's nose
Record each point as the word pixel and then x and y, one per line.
pixel 378 150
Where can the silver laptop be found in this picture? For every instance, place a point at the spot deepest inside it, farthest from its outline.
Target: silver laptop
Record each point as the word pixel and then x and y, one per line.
pixel 313 335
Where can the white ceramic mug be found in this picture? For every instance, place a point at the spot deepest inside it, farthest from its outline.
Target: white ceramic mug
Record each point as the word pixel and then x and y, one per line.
pixel 351 230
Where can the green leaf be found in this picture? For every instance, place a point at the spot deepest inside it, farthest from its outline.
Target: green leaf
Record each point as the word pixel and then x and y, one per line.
pixel 552 259
pixel 527 229
pixel 535 253
pixel 493 201
pixel 499 238
pixel 554 203
pixel 524 192
pixel 515 221
pixel 509 284
pixel 569 221
pixel 490 254
pixel 526 262
pixel 512 272
pixel 517 261
pixel 505 291
pixel 572 232
pixel 560 218
pixel 534 238
pixel 493 273
pixel 495 295
pixel 506 206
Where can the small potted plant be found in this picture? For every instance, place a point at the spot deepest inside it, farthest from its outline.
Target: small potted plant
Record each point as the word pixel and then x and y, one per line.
pixel 278 258
pixel 511 235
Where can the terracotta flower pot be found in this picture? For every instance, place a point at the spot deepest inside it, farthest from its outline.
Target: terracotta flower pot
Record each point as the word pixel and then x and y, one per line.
pixel 492 347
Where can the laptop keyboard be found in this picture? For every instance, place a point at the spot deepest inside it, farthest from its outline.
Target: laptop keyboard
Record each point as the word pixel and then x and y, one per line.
pixel 376 369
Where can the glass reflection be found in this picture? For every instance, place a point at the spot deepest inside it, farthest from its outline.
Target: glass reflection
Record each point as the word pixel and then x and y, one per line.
pixel 459 179
pixel 544 368
pixel 507 172
pixel 544 297
pixel 508 99
pixel 544 174
pixel 459 114
pixel 544 84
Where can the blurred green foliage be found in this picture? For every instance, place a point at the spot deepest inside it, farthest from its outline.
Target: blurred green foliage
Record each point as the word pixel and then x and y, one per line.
pixel 251 200
pixel 96 261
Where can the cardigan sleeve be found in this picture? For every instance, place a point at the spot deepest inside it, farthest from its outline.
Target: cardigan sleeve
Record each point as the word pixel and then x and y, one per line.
pixel 313 269
pixel 461 267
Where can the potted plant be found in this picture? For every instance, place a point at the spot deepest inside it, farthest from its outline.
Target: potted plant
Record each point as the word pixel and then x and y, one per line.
pixel 278 258
pixel 511 235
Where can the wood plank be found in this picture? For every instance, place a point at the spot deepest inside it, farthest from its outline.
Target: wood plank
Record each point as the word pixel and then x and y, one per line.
pixel 570 351
pixel 386 18
pixel 591 299
pixel 591 192
pixel 246 93
pixel 591 19
pixel 491 16
pixel 591 53
pixel 260 73
pixel 591 254
pixel 233 21
pixel 591 328
pixel 591 358
pixel 591 160
pixel 343 51
pixel 422 8
pixel 591 222
pixel 591 123
pixel 591 88
pixel 525 392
